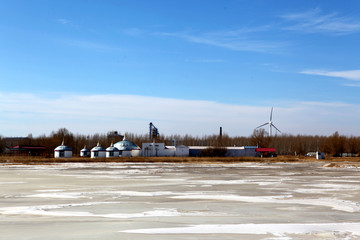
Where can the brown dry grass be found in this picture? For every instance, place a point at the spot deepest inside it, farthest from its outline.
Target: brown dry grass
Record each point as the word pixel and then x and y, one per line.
pixel 43 160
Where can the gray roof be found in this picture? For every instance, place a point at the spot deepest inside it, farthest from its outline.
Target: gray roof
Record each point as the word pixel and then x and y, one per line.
pixel 98 148
pixel 63 148
pixel 84 150
pixel 112 149
pixel 126 145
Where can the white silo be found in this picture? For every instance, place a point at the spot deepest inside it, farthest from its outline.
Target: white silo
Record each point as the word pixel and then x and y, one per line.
pixel 84 152
pixel 98 151
pixel 128 148
pixel 112 151
pixel 63 151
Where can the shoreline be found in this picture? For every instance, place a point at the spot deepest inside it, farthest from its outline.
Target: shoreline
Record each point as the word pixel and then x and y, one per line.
pixel 331 161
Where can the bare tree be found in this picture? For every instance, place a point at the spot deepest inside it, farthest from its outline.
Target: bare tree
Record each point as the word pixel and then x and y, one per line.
pixel 260 138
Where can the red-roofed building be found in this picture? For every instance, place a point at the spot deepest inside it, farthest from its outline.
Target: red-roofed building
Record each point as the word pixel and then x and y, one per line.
pixel 266 152
pixel 27 150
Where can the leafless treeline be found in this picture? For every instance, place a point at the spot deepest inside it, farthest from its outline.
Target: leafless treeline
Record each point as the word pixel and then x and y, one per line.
pixel 285 144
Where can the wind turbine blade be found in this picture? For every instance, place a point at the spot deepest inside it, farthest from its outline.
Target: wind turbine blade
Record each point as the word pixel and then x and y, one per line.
pixel 275 128
pixel 271 114
pixel 262 125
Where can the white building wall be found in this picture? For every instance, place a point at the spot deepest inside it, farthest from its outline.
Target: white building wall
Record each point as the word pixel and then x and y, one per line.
pixel 125 153
pixel 130 153
pixel 182 151
pixel 320 155
pixel 98 154
pixel 160 150
pixel 136 152
pixel 84 153
pixel 156 150
pixel 57 154
pixel 114 154
pixel 63 154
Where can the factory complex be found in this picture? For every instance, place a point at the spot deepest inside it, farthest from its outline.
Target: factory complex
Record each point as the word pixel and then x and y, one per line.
pixel 126 148
pixel 153 148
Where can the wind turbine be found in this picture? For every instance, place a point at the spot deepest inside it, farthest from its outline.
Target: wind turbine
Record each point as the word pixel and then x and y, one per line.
pixel 270 124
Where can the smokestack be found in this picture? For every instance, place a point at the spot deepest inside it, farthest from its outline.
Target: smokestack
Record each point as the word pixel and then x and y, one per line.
pixel 220 132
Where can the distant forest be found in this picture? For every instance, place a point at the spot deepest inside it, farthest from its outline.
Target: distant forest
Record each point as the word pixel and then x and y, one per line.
pixel 286 144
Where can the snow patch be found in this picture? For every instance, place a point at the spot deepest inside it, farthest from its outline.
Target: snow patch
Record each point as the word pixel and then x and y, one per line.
pixel 274 229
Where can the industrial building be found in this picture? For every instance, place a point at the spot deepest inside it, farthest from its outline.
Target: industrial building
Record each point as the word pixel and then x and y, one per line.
pixel 27 150
pixel 266 152
pixel 244 151
pixel 126 148
pixel 160 150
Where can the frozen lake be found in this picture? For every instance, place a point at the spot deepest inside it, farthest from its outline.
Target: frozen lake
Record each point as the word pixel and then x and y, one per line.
pixel 275 201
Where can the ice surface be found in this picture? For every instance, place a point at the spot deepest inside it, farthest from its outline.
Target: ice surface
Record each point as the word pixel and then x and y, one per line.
pixel 275 229
pixel 55 195
pixel 341 205
pixel 48 210
pixel 151 201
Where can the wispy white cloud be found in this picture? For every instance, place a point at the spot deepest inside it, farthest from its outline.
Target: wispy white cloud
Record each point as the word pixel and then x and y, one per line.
pixel 206 60
pixel 134 32
pixel 89 45
pixel 63 21
pixel 327 104
pixel 353 75
pixel 352 84
pixel 314 21
pixel 241 39
pixel 88 114
pixel 83 44
pixel 232 40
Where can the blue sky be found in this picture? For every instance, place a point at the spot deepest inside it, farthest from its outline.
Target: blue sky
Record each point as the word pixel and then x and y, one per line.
pixel 188 66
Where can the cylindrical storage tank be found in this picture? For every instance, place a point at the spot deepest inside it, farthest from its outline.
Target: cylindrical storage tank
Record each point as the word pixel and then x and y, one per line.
pixel 98 151
pixel 63 151
pixel 84 152
pixel 128 148
pixel 112 151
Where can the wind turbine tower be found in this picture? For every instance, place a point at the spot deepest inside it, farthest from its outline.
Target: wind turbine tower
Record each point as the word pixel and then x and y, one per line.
pixel 271 125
